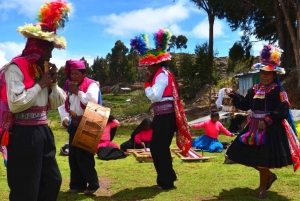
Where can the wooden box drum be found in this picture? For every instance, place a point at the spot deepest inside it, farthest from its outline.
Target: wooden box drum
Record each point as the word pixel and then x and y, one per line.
pixel 91 127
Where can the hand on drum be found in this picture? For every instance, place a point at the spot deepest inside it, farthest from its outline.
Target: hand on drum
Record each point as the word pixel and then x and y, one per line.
pixel 65 122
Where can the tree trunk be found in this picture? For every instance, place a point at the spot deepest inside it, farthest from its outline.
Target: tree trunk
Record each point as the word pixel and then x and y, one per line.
pixel 294 38
pixel 280 32
pixel 211 19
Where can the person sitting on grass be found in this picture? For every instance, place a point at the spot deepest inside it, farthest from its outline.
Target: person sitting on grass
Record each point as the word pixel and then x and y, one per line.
pixel 109 133
pixel 143 137
pixel 106 149
pixel 144 134
pixel 209 141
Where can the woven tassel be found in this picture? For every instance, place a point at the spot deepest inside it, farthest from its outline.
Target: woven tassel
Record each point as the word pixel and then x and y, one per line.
pixel 5 139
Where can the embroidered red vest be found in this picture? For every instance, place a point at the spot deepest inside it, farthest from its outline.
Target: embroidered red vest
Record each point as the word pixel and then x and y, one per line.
pixel 84 85
pixel 22 63
pixel 168 90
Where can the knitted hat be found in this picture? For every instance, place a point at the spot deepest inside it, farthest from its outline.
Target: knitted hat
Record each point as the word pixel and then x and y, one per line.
pixel 51 16
pixel 270 59
pixel 73 65
pixel 152 56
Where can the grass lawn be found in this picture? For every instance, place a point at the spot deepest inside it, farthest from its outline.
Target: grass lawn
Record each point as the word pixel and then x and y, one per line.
pixel 127 179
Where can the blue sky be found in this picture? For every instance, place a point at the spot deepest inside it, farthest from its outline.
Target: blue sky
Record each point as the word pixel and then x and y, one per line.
pixel 95 25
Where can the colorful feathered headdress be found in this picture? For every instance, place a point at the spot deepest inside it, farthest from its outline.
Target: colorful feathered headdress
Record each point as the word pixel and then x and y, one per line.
pixel 51 16
pixel 152 56
pixel 270 59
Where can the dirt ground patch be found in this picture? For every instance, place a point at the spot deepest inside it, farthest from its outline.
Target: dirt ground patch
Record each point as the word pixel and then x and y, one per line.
pixel 104 189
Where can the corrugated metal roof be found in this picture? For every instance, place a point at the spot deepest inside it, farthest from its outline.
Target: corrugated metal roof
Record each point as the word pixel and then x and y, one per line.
pixel 245 74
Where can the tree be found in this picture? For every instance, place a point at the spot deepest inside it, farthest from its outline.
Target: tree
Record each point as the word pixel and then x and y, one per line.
pixel 118 62
pixel 266 21
pixel 172 43
pixel 240 58
pixel 190 77
pixel 133 58
pixel 211 8
pixel 100 70
pixel 295 37
pixel 181 42
pixel 61 77
pixel 172 64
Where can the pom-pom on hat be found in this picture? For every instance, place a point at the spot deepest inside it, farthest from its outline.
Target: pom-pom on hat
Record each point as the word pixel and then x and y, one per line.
pixel 51 16
pixel 152 56
pixel 270 59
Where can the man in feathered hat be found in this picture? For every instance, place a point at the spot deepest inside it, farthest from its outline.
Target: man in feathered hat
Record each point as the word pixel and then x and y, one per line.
pixel 29 89
pixel 269 139
pixel 162 89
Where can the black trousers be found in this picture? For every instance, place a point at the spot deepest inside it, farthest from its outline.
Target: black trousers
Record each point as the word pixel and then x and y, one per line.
pixel 163 127
pixel 82 165
pixel 32 170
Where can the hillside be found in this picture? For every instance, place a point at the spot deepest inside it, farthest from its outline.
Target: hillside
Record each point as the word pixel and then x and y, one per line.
pixel 198 107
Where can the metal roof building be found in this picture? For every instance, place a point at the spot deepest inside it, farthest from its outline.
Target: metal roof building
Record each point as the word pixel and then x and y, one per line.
pixel 247 80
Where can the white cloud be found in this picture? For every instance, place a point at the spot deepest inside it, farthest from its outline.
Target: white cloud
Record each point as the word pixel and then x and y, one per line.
pixel 8 50
pixel 202 29
pixel 59 57
pixel 28 8
pixel 257 45
pixel 146 20
pixel 2 58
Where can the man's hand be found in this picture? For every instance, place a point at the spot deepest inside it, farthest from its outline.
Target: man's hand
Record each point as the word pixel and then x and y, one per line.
pixel 45 80
pixel 53 72
pixel 73 88
pixel 65 122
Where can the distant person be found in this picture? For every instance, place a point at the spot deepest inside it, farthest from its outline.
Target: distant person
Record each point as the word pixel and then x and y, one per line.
pixel 106 149
pixel 269 139
pixel 209 141
pixel 144 132
pixel 143 137
pixel 109 133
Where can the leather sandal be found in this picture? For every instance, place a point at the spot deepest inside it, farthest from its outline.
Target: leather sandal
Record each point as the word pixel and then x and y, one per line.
pixel 89 192
pixel 157 187
pixel 74 191
pixel 262 194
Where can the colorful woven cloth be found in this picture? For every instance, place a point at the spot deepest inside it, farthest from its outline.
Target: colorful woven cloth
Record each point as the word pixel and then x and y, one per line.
pixel 293 144
pixel 34 49
pixel 183 136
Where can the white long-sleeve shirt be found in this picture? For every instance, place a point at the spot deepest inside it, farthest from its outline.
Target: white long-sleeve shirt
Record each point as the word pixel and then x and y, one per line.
pixel 220 97
pixel 20 99
pixel 74 101
pixel 155 92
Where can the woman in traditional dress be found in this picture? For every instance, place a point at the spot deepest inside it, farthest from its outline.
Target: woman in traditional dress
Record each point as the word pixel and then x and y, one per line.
pixel 268 140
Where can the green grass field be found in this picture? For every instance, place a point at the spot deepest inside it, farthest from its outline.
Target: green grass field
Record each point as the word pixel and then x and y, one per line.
pixel 127 179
